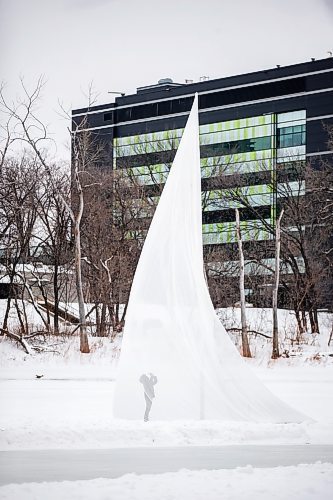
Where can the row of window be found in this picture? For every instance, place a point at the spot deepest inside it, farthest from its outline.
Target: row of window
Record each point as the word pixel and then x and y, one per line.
pixel 211 100
pixel 282 119
pixel 291 140
pixel 172 142
pixel 292 129
pixel 222 199
pixel 252 139
pixel 226 199
pixel 264 268
pixel 290 116
pixel 251 161
pixel 256 195
pixel 221 165
pixel 222 161
pixel 293 136
pixel 226 203
pixel 221 233
pixel 291 154
pixel 228 214
pixel 147 156
pixel 233 147
pixel 224 232
pixel 255 161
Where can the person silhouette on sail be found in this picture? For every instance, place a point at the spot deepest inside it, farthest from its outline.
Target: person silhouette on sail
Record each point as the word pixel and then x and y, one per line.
pixel 148 383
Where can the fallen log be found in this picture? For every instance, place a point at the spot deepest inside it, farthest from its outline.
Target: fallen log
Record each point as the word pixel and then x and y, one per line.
pixel 17 338
pixel 249 331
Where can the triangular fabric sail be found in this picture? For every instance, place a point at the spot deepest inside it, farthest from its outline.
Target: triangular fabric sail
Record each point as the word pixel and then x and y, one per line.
pixel 177 361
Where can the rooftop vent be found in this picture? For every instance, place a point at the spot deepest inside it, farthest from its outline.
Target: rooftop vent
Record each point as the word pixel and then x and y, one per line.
pixel 163 81
pixel 164 84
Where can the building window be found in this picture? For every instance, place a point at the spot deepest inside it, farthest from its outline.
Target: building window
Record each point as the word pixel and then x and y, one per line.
pixel 288 137
pixel 108 117
pixel 233 147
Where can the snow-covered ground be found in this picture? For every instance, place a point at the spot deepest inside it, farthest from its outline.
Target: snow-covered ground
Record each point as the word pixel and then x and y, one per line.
pixel 303 482
pixel 70 407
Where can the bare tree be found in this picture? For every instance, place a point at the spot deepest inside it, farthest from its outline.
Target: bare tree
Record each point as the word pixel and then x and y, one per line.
pixel 54 242
pixel 32 132
pixel 245 341
pixel 113 227
pixel 222 267
pixel 303 190
pixel 275 352
pixel 18 208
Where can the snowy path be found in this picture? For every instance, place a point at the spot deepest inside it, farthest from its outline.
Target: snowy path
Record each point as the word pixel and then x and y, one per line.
pixel 72 465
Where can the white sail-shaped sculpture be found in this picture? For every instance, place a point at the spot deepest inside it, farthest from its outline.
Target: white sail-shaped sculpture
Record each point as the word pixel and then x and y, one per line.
pixel 171 328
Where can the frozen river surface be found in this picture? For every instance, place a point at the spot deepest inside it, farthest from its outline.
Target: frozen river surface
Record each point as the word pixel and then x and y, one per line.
pixel 73 465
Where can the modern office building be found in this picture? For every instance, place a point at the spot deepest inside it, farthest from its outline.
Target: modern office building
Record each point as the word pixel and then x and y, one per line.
pixel 252 128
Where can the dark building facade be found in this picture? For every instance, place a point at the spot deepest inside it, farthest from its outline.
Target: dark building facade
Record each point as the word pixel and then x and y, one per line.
pixel 252 127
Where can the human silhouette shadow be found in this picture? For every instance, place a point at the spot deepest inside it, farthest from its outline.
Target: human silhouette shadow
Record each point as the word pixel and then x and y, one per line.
pixel 148 383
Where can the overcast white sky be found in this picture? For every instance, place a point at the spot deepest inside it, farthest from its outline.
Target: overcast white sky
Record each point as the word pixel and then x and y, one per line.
pixel 123 44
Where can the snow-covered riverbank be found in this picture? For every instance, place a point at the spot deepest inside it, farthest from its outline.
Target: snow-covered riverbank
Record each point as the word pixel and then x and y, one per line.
pixel 71 405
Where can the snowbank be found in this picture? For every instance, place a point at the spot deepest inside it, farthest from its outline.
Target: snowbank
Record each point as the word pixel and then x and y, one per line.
pixel 306 482
pixel 61 359
pixel 261 320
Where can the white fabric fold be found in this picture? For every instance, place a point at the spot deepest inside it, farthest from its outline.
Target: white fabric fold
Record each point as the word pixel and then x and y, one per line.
pixel 172 330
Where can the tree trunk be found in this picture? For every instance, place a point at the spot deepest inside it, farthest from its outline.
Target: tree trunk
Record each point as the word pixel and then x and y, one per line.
pixel 122 321
pixel 245 341
pixel 26 325
pixel 103 321
pixel 304 322
pixel 98 320
pixel 9 299
pixel 84 344
pixel 331 336
pixel 275 351
pixel 313 316
pixel 117 312
pixel 48 317
pixel 19 316
pixel 56 300
pixel 300 329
